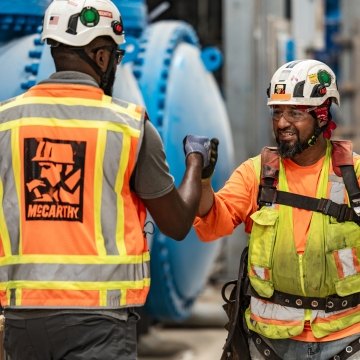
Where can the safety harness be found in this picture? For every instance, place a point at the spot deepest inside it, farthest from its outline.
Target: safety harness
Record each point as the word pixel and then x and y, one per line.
pixel 343 166
pixel 236 346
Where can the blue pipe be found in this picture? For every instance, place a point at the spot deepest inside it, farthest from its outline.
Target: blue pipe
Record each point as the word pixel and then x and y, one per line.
pixel 167 71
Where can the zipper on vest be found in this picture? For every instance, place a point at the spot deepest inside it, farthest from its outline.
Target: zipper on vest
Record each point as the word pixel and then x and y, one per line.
pixel 301 270
pixel 307 312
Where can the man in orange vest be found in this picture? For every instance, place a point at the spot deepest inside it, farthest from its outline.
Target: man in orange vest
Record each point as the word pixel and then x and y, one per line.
pixel 300 203
pixel 79 170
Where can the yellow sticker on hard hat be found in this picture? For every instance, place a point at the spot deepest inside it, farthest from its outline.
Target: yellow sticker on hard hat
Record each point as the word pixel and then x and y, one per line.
pixel 313 79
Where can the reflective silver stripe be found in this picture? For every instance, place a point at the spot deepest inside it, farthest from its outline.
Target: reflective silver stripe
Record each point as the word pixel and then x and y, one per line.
pixel 108 201
pixel 337 189
pixel 64 112
pixel 259 271
pixel 12 297
pixel 271 311
pixel 113 298
pixel 346 258
pixel 75 272
pixel 10 201
pixel 323 315
pixel 120 102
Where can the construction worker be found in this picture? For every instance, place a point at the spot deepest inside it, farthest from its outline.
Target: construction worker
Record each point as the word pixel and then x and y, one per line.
pixel 299 202
pixel 78 171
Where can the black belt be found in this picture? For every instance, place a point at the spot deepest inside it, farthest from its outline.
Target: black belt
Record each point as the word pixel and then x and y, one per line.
pixel 328 304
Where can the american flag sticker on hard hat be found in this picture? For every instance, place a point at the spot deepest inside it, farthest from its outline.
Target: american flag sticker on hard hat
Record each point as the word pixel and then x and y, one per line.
pixel 54 20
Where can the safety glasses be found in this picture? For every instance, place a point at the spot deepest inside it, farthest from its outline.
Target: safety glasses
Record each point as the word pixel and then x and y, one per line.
pixel 118 53
pixel 291 115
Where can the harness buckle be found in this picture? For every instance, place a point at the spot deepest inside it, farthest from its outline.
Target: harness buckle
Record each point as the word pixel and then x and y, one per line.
pixel 324 206
pixel 345 213
pixel 357 210
pixel 267 195
pixel 355 204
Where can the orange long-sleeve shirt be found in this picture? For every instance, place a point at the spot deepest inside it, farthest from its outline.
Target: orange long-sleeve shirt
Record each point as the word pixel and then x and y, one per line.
pixel 237 201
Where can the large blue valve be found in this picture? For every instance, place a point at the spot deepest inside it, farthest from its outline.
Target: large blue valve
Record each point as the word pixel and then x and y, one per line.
pixel 166 70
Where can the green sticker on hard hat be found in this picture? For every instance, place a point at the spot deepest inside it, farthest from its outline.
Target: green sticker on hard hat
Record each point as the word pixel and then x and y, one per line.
pixel 324 77
pixel 89 16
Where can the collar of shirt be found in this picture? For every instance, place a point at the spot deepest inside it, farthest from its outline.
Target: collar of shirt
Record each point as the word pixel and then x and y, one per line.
pixel 71 77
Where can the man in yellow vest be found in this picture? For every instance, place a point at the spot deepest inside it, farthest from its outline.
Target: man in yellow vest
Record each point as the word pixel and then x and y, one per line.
pixel 300 204
pixel 79 170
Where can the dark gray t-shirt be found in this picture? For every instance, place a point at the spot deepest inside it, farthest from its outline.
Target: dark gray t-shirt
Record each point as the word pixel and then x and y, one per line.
pixel 151 178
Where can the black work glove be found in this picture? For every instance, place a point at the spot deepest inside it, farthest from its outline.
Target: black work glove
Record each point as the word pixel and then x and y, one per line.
pixel 209 170
pixel 207 148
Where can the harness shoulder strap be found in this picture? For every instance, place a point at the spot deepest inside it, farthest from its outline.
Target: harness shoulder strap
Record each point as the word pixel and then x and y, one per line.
pixel 342 159
pixel 342 155
pixel 269 176
pixel 343 165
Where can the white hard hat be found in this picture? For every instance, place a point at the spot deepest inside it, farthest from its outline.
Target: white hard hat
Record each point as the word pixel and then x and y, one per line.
pixel 303 82
pixel 78 22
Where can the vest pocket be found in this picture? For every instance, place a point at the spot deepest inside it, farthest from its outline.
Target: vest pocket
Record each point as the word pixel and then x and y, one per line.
pixel 261 246
pixel 343 257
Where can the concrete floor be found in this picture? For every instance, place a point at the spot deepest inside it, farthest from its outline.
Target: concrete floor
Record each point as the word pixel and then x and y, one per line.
pixel 201 337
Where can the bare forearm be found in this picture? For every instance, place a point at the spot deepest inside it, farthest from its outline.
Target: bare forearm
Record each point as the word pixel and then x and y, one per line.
pixel 175 212
pixel 207 197
pixel 190 187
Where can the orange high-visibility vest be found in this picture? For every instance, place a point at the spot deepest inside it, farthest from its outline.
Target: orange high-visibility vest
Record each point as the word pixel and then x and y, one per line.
pixel 71 231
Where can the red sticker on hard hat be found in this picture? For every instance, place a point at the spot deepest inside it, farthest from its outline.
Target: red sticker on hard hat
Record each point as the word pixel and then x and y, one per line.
pixel 105 13
pixel 279 89
pixel 72 3
pixel 117 27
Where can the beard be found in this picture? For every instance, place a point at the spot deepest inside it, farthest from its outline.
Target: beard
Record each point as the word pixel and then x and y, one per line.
pixel 289 150
pixel 108 84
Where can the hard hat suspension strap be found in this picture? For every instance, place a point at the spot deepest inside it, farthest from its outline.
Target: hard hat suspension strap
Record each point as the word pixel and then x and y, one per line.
pixel 104 76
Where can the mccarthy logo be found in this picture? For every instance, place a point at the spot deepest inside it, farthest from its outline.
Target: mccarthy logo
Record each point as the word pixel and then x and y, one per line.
pixel 54 179
pixel 53 211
